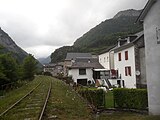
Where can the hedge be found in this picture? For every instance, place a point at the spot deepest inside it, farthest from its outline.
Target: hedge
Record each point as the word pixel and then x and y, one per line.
pixel 130 98
pixel 94 96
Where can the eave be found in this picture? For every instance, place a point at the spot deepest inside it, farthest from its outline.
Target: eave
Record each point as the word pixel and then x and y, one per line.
pixel 145 11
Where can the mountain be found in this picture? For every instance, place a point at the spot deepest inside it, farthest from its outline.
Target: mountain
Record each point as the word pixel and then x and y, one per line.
pixel 7 45
pixel 45 60
pixel 130 12
pixel 103 35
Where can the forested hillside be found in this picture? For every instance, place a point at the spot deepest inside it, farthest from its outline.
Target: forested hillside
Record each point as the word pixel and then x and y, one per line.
pixel 103 35
pixel 15 63
pixel 7 45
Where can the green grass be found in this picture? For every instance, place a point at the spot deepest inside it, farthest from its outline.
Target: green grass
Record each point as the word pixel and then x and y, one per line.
pixel 122 115
pixel 109 100
pixel 31 106
pixel 12 96
pixel 126 116
pixel 65 104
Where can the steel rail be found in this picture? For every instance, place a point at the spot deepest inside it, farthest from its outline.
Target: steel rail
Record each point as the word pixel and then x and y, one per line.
pixel 19 100
pixel 45 103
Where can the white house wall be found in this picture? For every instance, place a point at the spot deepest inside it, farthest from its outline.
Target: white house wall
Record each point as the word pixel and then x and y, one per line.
pixel 151 23
pixel 75 74
pixel 130 81
pixel 104 60
pixel 111 60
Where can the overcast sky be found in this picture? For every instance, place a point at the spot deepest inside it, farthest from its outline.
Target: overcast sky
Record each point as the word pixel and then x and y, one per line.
pixel 41 26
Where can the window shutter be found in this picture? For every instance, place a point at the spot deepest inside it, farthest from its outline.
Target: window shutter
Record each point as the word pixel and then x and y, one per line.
pixel 129 71
pixel 126 71
pixel 119 56
pixel 126 55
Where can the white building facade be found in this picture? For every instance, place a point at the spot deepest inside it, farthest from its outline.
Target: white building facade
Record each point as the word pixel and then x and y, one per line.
pixel 125 64
pixel 81 75
pixel 82 68
pixel 104 60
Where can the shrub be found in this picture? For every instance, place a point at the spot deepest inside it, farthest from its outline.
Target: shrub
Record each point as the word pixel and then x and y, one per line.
pixel 130 98
pixel 67 80
pixel 47 74
pixel 94 96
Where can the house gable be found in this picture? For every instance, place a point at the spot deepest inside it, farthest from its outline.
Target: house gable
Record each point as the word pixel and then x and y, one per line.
pixel 73 56
pixel 145 10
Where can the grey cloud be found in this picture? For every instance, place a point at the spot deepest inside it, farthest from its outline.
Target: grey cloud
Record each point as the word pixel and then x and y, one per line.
pixel 63 29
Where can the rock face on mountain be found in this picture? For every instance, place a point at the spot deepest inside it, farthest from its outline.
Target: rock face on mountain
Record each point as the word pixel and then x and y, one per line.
pixel 130 12
pixel 8 45
pixel 103 35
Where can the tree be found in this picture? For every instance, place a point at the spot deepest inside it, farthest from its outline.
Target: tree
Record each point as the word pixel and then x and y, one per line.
pixel 8 69
pixel 3 78
pixel 29 67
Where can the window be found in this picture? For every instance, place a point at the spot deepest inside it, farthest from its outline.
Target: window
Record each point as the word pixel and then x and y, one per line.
pixel 82 71
pixel 104 59
pixel 107 59
pixel 119 56
pixel 158 35
pixel 126 55
pixel 128 71
pixel 114 73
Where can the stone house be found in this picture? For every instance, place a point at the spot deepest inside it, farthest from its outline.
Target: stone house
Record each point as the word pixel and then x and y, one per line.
pixel 54 69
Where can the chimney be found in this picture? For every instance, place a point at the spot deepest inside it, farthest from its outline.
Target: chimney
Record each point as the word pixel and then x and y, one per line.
pixel 119 42
pixel 128 39
pixel 89 61
pixel 72 61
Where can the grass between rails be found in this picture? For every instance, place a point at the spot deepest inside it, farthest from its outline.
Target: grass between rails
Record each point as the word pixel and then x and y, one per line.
pixel 12 96
pixel 64 104
pixel 31 106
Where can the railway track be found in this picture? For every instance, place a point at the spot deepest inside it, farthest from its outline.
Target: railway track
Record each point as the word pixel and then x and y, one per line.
pixel 32 105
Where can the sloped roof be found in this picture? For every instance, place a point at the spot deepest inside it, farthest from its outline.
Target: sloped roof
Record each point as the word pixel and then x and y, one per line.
pixel 73 56
pixel 127 45
pixel 86 59
pixel 86 63
pixel 51 65
pixel 145 10
pixel 95 65
pixel 108 49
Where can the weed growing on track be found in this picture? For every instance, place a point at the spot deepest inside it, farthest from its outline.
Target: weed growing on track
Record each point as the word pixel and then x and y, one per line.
pixel 12 96
pixel 65 104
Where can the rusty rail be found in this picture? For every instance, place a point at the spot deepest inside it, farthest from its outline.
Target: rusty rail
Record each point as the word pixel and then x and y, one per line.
pixel 45 103
pixel 19 100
